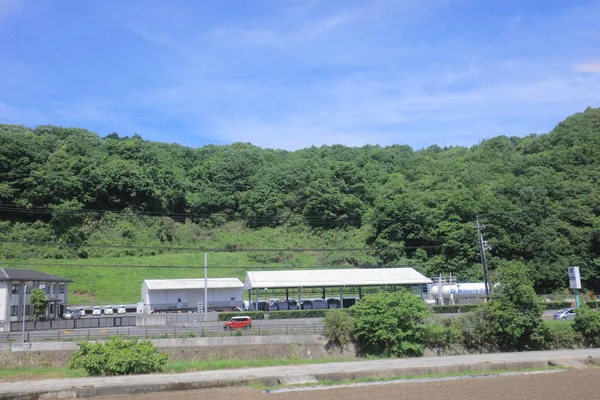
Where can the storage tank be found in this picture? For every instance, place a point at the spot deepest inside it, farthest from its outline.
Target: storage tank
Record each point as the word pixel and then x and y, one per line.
pixel 458 290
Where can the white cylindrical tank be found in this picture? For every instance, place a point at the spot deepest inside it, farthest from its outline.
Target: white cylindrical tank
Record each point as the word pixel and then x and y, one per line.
pixel 459 290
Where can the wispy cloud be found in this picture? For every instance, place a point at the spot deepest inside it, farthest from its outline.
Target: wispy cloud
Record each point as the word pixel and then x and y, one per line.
pixel 589 66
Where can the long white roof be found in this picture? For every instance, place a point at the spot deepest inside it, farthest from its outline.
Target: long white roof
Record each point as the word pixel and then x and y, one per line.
pixel 174 284
pixel 333 278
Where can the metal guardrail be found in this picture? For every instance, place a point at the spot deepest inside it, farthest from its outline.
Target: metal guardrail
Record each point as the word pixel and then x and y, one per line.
pixel 160 333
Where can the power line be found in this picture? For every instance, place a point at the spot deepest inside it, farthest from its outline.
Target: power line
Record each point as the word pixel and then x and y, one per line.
pixel 232 249
pixel 193 267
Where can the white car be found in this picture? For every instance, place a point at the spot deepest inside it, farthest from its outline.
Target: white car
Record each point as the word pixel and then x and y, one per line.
pixel 108 310
pixel 96 310
pixel 121 310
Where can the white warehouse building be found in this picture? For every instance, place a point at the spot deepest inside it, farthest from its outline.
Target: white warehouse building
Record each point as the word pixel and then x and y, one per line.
pixel 223 294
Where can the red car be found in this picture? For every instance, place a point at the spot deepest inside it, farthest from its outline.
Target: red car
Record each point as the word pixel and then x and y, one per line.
pixel 238 323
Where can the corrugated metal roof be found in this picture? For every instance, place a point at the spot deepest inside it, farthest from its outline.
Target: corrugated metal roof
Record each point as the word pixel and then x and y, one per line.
pixel 173 284
pixel 333 278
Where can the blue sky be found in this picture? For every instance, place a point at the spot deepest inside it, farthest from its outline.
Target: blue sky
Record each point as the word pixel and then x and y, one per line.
pixel 295 73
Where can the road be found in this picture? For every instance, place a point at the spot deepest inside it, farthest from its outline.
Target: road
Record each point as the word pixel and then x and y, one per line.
pixel 577 384
pixel 299 326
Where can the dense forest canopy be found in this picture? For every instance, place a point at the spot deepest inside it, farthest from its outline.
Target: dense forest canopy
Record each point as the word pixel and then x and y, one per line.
pixel 538 197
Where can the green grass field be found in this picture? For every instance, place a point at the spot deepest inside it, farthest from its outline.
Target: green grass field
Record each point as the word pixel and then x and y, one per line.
pixel 119 280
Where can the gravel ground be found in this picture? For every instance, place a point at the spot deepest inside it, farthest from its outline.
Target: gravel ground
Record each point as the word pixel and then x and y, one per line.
pixel 581 383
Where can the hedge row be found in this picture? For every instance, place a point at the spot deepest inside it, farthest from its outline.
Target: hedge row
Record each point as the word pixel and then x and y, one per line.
pixel 452 309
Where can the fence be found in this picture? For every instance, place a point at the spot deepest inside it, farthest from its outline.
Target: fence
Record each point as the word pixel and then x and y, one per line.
pixel 162 333
pixel 83 323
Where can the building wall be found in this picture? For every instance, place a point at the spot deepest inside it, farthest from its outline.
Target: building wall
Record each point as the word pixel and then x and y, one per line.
pixel 189 298
pixel 51 288
pixel 4 307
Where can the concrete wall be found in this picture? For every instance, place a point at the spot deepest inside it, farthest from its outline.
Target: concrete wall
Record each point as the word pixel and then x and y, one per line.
pixel 56 354
pixel 4 307
pixel 189 298
pixel 174 319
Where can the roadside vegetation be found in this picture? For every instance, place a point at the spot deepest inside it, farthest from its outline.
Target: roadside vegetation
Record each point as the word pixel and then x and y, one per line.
pixel 398 324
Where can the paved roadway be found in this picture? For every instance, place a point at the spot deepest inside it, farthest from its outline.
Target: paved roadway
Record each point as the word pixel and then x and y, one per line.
pixel 297 326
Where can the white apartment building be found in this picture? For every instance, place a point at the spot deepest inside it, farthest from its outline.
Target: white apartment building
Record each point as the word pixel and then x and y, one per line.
pixel 15 289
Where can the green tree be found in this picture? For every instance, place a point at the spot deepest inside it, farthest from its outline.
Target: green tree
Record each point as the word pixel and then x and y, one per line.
pixel 511 320
pixel 39 303
pixel 390 324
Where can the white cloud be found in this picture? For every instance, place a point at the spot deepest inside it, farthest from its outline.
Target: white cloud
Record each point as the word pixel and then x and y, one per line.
pixel 590 66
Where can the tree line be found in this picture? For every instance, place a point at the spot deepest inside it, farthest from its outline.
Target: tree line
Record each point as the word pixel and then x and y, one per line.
pixel 538 197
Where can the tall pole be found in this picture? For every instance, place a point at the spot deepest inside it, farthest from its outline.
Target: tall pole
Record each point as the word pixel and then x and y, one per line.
pixel 205 285
pixel 483 260
pixel 23 324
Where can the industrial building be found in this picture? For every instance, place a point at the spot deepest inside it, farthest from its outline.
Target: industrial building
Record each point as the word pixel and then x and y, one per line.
pixel 330 288
pixel 223 294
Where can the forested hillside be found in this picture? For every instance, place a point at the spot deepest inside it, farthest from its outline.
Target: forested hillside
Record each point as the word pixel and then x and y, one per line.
pixel 76 194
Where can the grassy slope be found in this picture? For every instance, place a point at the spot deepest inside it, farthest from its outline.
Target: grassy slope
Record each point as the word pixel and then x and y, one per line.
pixel 96 282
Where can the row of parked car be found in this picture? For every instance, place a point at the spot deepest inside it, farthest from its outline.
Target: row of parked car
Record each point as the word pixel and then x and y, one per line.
pixel 76 313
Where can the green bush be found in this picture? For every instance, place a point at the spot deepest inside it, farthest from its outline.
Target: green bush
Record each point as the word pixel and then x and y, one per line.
pixel 338 329
pixel 389 324
pixel 453 309
pixel 118 357
pixel 445 336
pixel 587 325
pixel 557 305
pixel 561 335
pixel 511 320
pixel 299 314
pixel 226 316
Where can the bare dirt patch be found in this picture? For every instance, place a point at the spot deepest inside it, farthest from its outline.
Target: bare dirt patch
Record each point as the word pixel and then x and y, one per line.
pixel 561 385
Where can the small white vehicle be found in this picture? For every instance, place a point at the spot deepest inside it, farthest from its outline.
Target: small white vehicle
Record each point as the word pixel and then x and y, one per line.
pixel 108 310
pixel 121 310
pixel 96 310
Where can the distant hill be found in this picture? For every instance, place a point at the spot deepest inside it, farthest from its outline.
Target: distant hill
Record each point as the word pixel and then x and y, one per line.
pixel 78 195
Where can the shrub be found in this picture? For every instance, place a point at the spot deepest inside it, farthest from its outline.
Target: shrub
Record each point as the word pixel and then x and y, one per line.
pixel 338 329
pixel 587 325
pixel 118 357
pixel 445 336
pixel 561 335
pixel 511 320
pixel 453 309
pixel 389 324
pixel 226 316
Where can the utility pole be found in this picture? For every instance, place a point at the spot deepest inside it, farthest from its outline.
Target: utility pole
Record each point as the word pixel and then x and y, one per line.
pixel 482 245
pixel 205 286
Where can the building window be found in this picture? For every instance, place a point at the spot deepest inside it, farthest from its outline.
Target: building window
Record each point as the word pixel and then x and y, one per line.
pixel 52 308
pixel 14 311
pixel 28 289
pixel 53 289
pixel 61 289
pixel 47 289
pixel 27 310
pixel 15 288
